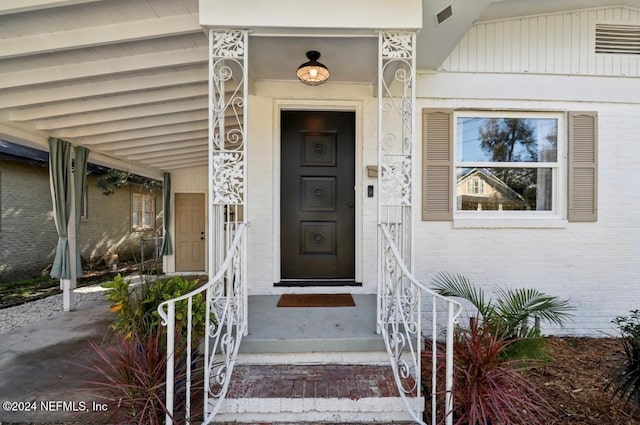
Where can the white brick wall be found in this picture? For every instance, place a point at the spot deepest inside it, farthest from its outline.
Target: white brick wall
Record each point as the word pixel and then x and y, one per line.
pixel 263 196
pixel 595 265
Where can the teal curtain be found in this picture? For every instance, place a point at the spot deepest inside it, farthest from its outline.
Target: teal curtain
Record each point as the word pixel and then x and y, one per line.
pixel 80 186
pixel 59 170
pixel 166 215
pixel 62 183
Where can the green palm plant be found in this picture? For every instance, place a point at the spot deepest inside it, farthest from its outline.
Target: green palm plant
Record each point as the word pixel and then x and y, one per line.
pixel 510 313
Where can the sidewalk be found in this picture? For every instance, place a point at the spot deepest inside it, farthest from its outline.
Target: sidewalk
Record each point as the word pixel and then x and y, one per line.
pixel 38 365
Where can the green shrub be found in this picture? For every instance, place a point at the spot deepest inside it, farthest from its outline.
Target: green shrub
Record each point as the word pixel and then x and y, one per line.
pixel 626 379
pixel 119 294
pixel 491 355
pixel 510 314
pixel 132 369
pixel 137 309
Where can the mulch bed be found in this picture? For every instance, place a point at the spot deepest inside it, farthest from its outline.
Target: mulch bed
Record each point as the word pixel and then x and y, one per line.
pixel 575 382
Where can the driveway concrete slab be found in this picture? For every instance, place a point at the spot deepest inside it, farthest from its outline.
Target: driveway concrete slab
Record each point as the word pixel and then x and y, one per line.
pixel 40 376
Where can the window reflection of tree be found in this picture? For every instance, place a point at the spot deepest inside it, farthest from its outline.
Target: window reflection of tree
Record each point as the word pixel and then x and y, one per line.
pixel 513 140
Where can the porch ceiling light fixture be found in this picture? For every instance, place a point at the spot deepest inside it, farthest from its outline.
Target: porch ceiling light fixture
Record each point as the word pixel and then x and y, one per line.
pixel 313 73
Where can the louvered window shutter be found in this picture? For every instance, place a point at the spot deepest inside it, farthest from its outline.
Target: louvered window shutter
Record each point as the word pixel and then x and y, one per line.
pixel 437 133
pixel 583 166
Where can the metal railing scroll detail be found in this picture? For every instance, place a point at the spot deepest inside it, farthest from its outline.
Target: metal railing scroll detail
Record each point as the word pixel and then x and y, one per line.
pixel 225 294
pixel 400 324
pixel 210 370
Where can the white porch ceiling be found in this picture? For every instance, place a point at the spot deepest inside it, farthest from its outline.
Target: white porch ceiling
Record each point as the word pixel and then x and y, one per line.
pixel 128 78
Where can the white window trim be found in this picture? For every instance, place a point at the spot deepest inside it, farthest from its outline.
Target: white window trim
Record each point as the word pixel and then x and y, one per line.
pixel 556 218
pixel 142 211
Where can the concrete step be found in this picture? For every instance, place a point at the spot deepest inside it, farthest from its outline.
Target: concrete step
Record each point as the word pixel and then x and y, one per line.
pixel 328 393
pixel 256 344
pixel 275 329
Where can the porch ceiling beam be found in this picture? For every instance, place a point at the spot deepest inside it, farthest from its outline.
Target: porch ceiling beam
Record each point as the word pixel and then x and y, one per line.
pixel 146 142
pixel 132 124
pixel 108 102
pixel 185 165
pixel 140 169
pixel 16 133
pixel 199 147
pixel 51 74
pixel 144 133
pixel 163 147
pixel 170 159
pixel 138 111
pixel 150 137
pixel 16 98
pixel 91 36
pixel 170 164
pixel 192 161
pixel 18 6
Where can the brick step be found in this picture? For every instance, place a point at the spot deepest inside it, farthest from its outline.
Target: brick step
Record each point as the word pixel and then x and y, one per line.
pixel 331 393
pixel 319 423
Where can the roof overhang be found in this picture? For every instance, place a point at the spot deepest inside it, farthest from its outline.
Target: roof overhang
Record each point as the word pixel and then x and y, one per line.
pixel 291 14
pixel 128 78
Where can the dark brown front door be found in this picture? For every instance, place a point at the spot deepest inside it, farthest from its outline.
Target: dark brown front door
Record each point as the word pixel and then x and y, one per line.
pixel 317 195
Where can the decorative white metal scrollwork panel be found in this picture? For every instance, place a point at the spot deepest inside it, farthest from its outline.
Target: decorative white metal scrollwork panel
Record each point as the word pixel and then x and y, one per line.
pixel 227 109
pixel 228 128
pixel 228 44
pixel 397 45
pixel 228 89
pixel 228 178
pixel 397 108
pixel 396 180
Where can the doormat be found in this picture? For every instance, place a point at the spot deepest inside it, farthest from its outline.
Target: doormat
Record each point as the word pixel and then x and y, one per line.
pixel 316 300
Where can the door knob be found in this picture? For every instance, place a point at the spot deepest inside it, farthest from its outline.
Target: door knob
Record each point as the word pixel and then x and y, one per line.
pixel 350 204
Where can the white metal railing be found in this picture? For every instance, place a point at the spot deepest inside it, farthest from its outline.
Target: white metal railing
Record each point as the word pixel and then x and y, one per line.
pixel 224 325
pixel 400 322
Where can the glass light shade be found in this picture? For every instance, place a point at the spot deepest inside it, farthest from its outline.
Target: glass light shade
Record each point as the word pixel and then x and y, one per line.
pixel 313 73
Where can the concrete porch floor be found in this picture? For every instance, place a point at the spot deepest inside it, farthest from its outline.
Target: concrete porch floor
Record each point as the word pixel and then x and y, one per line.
pixel 275 329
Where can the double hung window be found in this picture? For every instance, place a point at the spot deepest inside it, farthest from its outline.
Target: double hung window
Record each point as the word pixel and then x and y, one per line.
pixel 507 164
pixel 143 211
pixel 509 169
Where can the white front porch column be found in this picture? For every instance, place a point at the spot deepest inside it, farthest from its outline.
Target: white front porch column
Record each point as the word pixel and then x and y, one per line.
pixel 396 140
pixel 227 211
pixel 228 90
pixel 399 294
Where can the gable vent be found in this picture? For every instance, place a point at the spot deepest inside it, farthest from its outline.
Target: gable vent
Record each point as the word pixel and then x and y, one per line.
pixel 621 39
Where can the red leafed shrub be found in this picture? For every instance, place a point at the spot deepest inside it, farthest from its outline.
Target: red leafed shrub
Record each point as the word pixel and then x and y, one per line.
pixel 131 374
pixel 488 388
